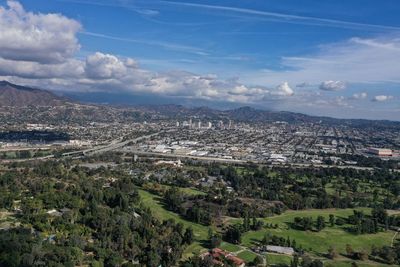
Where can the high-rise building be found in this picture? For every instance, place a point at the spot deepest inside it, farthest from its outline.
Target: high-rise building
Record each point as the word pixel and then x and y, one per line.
pixel 209 126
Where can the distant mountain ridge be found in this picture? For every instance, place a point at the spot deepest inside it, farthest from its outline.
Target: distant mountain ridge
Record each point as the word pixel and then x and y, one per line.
pixel 19 96
pixel 65 110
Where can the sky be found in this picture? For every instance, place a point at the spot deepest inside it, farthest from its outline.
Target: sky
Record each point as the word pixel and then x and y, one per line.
pixel 330 58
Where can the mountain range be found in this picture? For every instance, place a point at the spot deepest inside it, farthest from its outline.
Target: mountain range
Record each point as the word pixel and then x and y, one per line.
pixel 69 110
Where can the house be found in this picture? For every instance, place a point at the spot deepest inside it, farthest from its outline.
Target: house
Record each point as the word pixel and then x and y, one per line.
pixel 218 256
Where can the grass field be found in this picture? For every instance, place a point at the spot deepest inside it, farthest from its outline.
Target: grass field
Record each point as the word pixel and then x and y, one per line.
pixel 319 242
pixel 229 247
pixel 315 242
pixel 247 256
pixel 273 259
pixel 156 207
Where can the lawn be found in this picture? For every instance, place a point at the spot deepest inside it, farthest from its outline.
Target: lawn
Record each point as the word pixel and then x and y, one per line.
pixel 273 259
pixel 156 207
pixel 229 247
pixel 247 256
pixel 319 241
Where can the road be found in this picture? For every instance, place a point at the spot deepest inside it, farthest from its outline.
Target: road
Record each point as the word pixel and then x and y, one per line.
pixel 165 155
pixel 237 161
pixel 115 144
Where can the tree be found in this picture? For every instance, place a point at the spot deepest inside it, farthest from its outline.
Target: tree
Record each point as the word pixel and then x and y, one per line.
pixel 173 198
pixel 320 223
pixel 332 220
pixel 380 214
pixel 266 239
pixel 233 234
pixel 295 261
pixel 288 242
pixel 258 260
pixel 246 221
pixel 215 241
pixel 188 236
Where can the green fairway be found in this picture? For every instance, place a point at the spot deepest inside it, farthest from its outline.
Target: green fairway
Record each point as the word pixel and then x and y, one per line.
pixel 156 207
pixel 155 204
pixel 229 247
pixel 319 241
pixel 273 259
pixel 247 256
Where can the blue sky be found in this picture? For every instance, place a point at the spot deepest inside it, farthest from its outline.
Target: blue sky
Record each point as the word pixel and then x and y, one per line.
pixel 335 58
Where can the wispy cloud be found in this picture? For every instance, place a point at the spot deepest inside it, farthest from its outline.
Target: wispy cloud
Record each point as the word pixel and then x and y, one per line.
pixel 289 18
pixel 165 45
pixel 354 61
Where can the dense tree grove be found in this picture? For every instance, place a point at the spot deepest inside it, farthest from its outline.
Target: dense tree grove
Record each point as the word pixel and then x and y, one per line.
pixel 71 215
pixel 68 215
pixel 303 188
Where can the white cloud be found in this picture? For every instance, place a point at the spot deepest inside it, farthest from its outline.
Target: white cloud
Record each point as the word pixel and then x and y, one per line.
pixel 355 60
pixel 284 17
pixel 332 85
pixel 382 98
pixel 70 69
pixel 105 66
pixel 362 95
pixel 283 90
pixel 42 38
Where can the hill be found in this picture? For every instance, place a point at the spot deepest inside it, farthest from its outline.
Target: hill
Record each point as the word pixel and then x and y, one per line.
pixel 20 96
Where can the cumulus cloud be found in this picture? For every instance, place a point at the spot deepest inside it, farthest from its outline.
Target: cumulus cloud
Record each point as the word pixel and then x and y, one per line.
pixel 382 98
pixel 332 85
pixel 106 66
pixel 42 38
pixel 40 49
pixel 283 90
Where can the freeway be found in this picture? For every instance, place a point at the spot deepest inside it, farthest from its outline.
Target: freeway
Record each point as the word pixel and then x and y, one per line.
pixel 241 162
pixel 207 159
pixel 115 144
